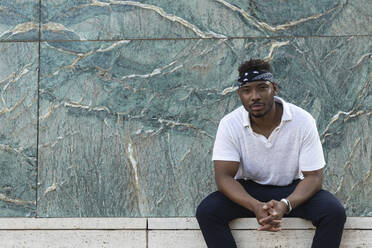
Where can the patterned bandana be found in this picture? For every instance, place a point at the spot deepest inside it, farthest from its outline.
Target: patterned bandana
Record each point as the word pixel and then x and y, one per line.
pixel 251 76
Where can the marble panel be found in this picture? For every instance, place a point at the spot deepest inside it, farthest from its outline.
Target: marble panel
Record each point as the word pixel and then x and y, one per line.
pixel 127 127
pixel 19 20
pixel 118 19
pixel 305 18
pixel 18 125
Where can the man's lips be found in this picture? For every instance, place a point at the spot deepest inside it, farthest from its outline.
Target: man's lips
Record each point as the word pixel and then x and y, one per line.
pixel 257 106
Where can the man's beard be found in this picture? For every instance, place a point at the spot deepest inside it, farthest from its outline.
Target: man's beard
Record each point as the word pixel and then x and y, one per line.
pixel 265 113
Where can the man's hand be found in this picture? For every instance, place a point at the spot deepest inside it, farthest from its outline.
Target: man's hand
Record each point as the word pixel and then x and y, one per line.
pixel 263 212
pixel 269 215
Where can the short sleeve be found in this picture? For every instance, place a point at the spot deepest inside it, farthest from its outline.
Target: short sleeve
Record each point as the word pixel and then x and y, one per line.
pixel 311 153
pixel 225 147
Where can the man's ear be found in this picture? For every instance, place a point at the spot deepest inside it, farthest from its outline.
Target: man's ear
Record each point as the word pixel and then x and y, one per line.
pixel 276 88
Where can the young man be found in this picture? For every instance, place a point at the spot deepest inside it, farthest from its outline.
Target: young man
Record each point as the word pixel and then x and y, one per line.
pixel 268 163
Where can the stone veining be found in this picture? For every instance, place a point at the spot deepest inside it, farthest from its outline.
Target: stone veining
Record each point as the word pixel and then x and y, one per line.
pixel 122 122
pixel 16 201
pixel 264 26
pixel 20 28
pixel 154 8
pixel 274 46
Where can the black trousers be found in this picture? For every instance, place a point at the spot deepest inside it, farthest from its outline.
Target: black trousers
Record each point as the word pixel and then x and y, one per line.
pixel 323 210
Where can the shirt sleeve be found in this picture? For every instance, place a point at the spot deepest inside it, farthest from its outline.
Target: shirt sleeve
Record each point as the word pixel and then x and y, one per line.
pixel 225 147
pixel 311 154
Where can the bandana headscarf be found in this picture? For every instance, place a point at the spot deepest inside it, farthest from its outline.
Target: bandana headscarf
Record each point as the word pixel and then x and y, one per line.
pixel 251 76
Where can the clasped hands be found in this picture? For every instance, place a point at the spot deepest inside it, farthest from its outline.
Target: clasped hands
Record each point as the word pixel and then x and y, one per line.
pixel 269 215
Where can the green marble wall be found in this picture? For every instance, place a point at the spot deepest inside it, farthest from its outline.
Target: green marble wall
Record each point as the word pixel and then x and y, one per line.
pixel 110 107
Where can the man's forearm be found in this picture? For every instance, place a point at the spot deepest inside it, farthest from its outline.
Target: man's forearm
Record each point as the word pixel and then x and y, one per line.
pixel 232 189
pixel 236 192
pixel 305 189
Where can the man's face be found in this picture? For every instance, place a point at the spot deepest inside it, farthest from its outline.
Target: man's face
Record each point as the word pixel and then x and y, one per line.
pixel 258 97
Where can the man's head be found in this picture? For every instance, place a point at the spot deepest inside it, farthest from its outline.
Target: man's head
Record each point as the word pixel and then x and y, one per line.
pixel 256 87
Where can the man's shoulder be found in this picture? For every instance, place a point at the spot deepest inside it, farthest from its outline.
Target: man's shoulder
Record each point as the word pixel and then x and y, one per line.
pixel 299 114
pixel 234 116
pixel 301 119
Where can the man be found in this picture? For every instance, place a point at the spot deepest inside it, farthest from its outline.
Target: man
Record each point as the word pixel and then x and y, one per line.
pixel 268 163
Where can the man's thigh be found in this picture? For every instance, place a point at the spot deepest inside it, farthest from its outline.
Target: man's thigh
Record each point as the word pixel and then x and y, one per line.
pixel 218 205
pixel 318 206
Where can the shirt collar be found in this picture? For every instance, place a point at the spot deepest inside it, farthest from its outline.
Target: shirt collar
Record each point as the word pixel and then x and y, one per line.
pixel 287 115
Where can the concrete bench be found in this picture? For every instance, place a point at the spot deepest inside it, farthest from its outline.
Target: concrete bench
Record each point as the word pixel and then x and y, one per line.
pixel 163 233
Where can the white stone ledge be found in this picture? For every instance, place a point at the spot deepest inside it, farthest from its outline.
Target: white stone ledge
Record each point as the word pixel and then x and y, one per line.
pixel 72 238
pixel 164 233
pixel 73 223
pixel 181 223
pixel 296 233
pixel 352 223
pixel 253 238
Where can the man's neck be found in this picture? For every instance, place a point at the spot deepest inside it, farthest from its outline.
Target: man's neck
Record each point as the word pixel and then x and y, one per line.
pixel 270 120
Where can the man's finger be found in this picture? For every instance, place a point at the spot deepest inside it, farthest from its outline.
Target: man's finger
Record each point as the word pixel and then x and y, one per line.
pixel 266 220
pixel 275 229
pixel 270 204
pixel 273 212
pixel 264 227
pixel 276 222
pixel 269 228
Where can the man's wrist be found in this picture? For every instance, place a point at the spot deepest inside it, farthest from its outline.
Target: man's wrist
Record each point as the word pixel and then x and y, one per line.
pixel 288 204
pixel 255 206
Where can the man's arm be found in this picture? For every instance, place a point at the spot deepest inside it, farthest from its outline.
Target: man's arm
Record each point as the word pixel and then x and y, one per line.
pixel 311 184
pixel 311 154
pixel 226 184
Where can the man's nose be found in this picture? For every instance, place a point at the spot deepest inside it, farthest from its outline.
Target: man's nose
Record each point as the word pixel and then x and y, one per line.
pixel 255 95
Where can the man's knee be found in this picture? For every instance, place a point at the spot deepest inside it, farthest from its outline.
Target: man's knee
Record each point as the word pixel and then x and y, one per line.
pixel 335 211
pixel 200 211
pixel 209 207
pixel 204 209
pixel 338 213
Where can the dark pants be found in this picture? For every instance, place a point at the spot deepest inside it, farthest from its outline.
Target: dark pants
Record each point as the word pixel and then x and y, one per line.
pixel 323 210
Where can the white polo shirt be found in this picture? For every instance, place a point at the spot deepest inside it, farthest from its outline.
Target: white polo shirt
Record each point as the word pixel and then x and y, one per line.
pixel 292 147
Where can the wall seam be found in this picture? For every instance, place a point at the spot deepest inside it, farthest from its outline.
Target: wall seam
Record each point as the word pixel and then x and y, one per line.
pixel 193 38
pixel 147 232
pixel 37 116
